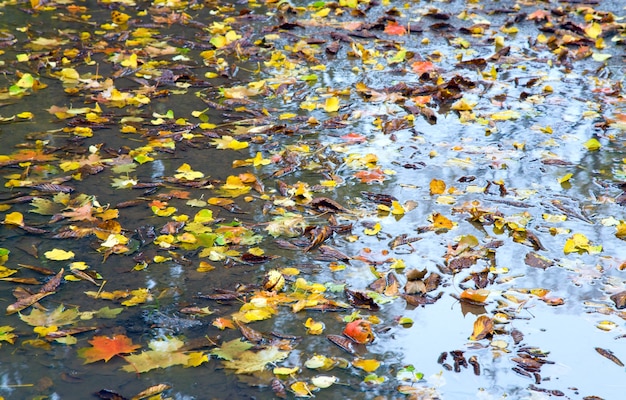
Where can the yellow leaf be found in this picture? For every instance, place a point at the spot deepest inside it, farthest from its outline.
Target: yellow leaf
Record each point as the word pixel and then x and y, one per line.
pixel 565 178
pixel 258 314
pixel 323 12
pixel 4 272
pixel 437 187
pixel 59 255
pixel 69 166
pixel 205 267
pixel 26 115
pixel 203 216
pixel 165 212
pixel 14 218
pixel 579 243
pixel 593 30
pixel 366 365
pixel 44 330
pixel 196 358
pixel 313 327
pixel 505 115
pixel 301 389
pixel 285 370
pixel 237 145
pixel 139 296
pixel 592 144
pixel 285 116
pixel 185 172
pixel 373 231
pixel 331 104
pixel 79 265
pixel 396 208
pixel 258 160
pixel 130 62
pixel 119 18
pixel 441 222
pixel 620 230
pixel 398 263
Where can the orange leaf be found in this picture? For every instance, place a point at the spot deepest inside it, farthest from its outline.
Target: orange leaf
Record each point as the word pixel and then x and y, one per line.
pixel 360 331
pixel 477 296
pixel 105 347
pixel 354 137
pixel 223 323
pixel 374 175
pixel 393 28
pixel 483 327
pixel 421 67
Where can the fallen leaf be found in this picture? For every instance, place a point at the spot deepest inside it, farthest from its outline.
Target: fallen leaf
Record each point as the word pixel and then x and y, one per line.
pixel 104 348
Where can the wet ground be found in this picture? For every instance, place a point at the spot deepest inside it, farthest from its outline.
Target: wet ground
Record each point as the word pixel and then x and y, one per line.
pixel 416 153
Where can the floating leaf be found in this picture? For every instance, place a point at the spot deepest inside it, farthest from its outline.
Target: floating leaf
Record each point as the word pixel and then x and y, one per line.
pixel 104 348
pixel 360 331
pixel 6 334
pixel 366 365
pixel 59 255
pixel 483 327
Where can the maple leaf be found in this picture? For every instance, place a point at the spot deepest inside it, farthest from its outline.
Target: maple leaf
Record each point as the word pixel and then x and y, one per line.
pixel 81 213
pixel 369 176
pixel 250 361
pixel 393 28
pixel 6 335
pixel 60 316
pixel 104 348
pixel 163 354
pixel 231 349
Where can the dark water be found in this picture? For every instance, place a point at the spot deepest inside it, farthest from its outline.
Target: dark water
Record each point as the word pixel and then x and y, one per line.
pixel 584 100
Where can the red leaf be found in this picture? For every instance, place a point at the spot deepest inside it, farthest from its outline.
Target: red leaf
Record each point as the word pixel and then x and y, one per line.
pixel 105 347
pixel 393 28
pixel 360 331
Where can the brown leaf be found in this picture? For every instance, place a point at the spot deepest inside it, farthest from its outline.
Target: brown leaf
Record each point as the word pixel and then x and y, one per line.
pixel 53 283
pixel 343 342
pixel 41 270
pixel 250 258
pixel 537 261
pixel 415 287
pixel 319 236
pixel 249 333
pixel 329 253
pixel 432 281
pixel 420 300
pixel 360 300
pixel 26 302
pixel 324 204
pixel 609 354
pixel 619 299
pixel 151 391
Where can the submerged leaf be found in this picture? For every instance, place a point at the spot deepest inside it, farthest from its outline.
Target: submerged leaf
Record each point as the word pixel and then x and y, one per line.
pixel 250 361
